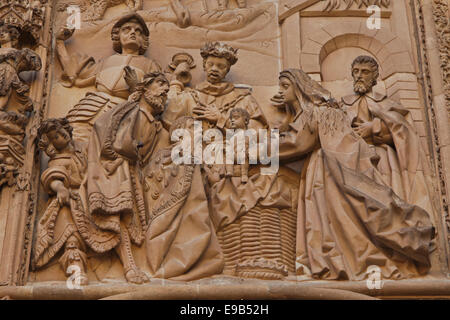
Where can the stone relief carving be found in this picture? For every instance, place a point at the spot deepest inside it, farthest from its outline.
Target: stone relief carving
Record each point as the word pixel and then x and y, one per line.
pixel 441 18
pixel 113 184
pixel 323 249
pixel 15 104
pixel 221 19
pixel 181 65
pixel 56 228
pixel 336 4
pixel 439 156
pixel 130 41
pixel 95 9
pixel 28 15
pixel 388 126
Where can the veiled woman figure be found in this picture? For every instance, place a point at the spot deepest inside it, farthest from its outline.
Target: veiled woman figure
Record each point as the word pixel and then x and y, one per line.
pixel 348 219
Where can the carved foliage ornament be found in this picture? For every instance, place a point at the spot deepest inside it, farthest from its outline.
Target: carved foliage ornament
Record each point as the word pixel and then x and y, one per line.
pixel 441 19
pixel 26 15
pixel 336 4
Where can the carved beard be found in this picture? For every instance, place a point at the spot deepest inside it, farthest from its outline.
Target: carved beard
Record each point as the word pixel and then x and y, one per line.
pixel 156 102
pixel 360 87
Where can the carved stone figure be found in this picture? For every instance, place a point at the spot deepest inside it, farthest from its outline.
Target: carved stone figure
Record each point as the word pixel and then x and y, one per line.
pixel 121 144
pixel 239 119
pixel 130 41
pixel 14 101
pixel 348 218
pixel 213 99
pixel 56 228
pixel 387 126
pixel 12 62
pixel 93 10
pixel 218 20
pixel 262 206
pixel 181 243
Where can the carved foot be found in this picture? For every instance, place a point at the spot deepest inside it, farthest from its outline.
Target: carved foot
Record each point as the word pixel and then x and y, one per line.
pixel 136 276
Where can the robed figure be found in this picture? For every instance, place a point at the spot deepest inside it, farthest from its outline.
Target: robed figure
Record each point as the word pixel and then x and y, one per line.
pixel 388 126
pixel 348 218
pixel 120 145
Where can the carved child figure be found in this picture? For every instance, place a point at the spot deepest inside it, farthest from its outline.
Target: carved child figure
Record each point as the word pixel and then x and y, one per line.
pixel 239 119
pixel 56 228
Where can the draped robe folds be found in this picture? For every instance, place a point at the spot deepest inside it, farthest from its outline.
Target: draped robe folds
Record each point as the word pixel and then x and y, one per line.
pixel 181 243
pixel 112 192
pixel 402 159
pixel 348 219
pixel 57 223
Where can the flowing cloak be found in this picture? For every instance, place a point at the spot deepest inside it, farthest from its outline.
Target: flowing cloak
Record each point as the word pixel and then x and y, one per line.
pixel 57 224
pixel 402 160
pixel 108 77
pixel 112 193
pixel 348 219
pixel 181 243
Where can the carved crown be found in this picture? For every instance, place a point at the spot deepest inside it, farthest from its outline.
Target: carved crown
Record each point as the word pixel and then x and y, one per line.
pixel 221 50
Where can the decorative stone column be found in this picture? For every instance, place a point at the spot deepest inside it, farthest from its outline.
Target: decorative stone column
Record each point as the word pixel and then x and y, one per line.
pixel 18 198
pixel 434 29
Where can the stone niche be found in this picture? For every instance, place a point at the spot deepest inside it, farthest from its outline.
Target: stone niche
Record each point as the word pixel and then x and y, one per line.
pixel 103 206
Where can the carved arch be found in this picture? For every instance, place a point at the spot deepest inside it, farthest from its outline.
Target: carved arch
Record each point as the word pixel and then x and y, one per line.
pixel 391 52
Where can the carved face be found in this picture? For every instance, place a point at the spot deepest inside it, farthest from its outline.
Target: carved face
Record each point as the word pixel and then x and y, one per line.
pixel 156 95
pixel 238 121
pixel 131 35
pixel 59 138
pixel 216 69
pixel 364 77
pixel 5 36
pixel 286 91
pixel 72 243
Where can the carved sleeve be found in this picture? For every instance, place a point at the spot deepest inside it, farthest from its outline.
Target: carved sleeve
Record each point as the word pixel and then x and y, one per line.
pixel 301 138
pixel 55 173
pixel 381 133
pixel 80 70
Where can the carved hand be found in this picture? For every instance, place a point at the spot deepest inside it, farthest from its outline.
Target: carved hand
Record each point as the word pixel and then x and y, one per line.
pixel 364 129
pixel 62 194
pixel 211 113
pixel 130 77
pixel 64 33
